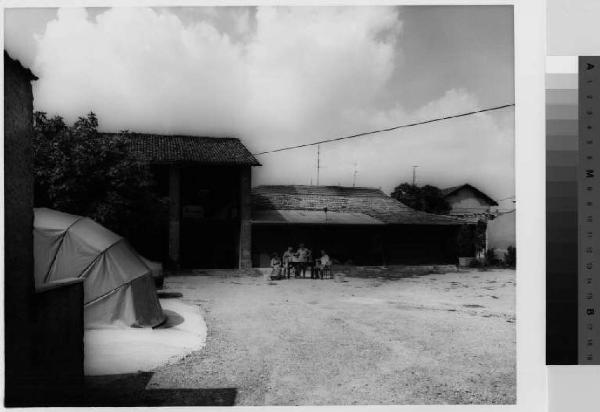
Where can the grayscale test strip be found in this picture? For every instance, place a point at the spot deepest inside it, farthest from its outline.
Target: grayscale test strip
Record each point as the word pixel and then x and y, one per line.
pixel 588 218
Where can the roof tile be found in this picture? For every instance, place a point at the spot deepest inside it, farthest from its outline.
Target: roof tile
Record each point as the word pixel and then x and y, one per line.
pixel 154 148
pixel 369 201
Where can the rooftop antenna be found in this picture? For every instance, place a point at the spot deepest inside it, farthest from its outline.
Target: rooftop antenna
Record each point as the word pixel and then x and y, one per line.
pixel 355 173
pixel 318 162
pixel 414 174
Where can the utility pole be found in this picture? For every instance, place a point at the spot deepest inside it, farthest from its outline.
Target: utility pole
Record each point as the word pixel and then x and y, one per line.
pixel 414 174
pixel 355 173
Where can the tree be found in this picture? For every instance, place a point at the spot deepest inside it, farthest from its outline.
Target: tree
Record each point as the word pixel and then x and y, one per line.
pixel 426 198
pixel 80 171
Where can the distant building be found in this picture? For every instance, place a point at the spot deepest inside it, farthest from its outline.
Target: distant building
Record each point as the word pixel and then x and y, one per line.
pixel 469 202
pixel 207 181
pixel 472 204
pixel 361 225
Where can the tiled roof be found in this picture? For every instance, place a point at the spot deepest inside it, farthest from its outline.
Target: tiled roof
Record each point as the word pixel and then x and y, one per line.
pixel 450 190
pixel 360 200
pixel 154 148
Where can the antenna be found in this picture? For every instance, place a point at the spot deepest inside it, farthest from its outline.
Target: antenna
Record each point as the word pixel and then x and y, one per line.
pixel 355 173
pixel 318 162
pixel 414 174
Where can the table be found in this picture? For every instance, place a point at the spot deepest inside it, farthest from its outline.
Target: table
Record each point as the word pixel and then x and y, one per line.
pixel 297 264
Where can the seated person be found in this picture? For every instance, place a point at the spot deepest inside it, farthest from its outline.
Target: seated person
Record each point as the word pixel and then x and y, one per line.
pixel 324 263
pixel 302 255
pixel 275 266
pixel 288 255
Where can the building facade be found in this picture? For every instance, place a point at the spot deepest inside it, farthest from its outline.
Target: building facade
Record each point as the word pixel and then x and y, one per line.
pixel 43 328
pixel 207 181
pixel 18 221
pixel 354 225
pixel 470 203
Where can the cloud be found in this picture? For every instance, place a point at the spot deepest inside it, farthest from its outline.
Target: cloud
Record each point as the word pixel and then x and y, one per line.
pixel 144 69
pixel 273 76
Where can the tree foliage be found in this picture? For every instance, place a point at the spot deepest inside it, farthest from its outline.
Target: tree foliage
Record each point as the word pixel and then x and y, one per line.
pixel 425 198
pixel 80 171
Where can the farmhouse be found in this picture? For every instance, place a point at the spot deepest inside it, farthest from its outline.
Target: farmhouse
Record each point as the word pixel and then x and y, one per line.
pixel 207 181
pixel 471 203
pixel 353 224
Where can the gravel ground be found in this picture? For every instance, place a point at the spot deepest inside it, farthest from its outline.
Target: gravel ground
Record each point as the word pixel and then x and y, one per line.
pixel 435 339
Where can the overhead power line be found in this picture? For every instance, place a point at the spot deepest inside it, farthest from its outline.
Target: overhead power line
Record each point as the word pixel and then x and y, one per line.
pixel 402 126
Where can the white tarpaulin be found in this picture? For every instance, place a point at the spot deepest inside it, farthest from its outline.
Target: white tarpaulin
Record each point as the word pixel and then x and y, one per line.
pixel 118 287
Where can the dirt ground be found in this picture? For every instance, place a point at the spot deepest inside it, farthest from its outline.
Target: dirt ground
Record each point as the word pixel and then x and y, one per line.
pixel 435 339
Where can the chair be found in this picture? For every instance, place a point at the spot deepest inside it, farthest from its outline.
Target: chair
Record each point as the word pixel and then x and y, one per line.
pixel 326 271
pixel 323 271
pixel 290 270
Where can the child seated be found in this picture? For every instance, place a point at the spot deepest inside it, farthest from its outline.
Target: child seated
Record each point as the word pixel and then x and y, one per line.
pixel 288 255
pixel 275 266
pixel 324 263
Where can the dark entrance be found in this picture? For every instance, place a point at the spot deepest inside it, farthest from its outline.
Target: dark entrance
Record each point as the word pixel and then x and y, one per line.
pixel 359 244
pixel 210 217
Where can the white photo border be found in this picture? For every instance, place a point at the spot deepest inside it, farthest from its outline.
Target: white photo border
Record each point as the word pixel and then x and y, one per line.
pixel 530 51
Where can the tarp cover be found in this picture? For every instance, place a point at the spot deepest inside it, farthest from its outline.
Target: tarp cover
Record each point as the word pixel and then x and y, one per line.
pixel 118 287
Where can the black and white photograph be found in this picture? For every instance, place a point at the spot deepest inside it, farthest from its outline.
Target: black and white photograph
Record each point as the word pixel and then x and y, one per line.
pixel 266 205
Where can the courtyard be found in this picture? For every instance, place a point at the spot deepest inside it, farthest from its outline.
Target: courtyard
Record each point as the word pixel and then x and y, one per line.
pixel 439 338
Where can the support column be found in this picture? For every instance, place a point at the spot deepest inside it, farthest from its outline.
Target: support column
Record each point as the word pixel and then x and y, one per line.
pixel 245 243
pixel 174 215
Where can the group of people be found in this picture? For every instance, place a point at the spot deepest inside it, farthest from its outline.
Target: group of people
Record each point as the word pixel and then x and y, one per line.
pixel 297 262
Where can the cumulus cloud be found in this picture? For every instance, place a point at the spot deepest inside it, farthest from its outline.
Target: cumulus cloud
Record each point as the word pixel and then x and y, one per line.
pixel 273 76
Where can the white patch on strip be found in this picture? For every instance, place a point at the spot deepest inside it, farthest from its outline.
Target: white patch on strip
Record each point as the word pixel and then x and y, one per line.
pixel 562 64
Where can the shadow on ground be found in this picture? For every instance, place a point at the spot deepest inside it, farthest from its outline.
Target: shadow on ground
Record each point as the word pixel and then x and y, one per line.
pixel 124 390
pixel 172 319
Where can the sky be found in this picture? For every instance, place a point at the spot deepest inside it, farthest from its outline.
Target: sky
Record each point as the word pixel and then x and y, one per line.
pixel 281 76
